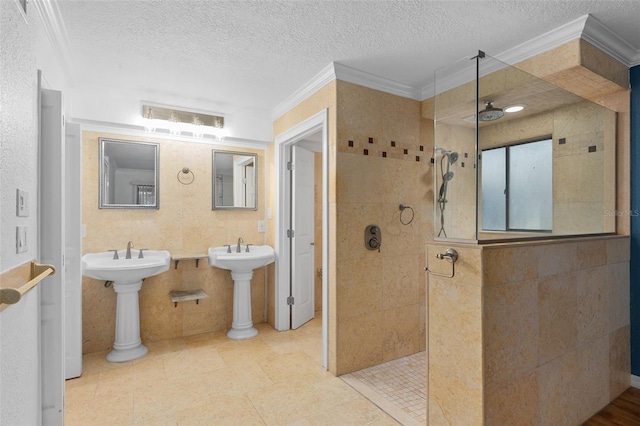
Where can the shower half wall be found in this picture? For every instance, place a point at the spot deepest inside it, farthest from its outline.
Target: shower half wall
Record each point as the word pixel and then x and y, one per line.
pixel 534 326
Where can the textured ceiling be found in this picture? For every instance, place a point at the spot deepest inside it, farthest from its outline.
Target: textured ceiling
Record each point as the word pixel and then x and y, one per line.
pixel 254 54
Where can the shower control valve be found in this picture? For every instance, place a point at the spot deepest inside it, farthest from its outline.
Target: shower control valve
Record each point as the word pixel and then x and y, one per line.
pixel 373 237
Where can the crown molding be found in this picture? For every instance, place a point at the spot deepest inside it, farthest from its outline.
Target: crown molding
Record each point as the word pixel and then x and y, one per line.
pixel 53 26
pixel 336 71
pixel 326 75
pixel 545 42
pixel 596 33
pixel 372 81
pixel 535 46
pixel 586 27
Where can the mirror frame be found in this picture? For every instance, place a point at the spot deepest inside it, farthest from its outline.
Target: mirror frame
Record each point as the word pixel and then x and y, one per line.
pixel 213 179
pixel 101 189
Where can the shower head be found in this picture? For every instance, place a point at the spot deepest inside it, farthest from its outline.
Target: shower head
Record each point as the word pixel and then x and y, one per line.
pixel 447 177
pixel 490 112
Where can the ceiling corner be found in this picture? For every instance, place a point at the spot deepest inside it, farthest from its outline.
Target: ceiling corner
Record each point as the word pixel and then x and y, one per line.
pixel 610 43
pixel 56 34
pixel 326 75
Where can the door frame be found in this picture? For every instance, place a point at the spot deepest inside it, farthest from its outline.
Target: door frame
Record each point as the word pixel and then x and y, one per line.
pixel 313 124
pixel 51 250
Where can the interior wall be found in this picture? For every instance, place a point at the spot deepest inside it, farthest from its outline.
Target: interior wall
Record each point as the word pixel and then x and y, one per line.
pixel 324 98
pixel 19 126
pixel 19 323
pixel 382 162
pixel 184 224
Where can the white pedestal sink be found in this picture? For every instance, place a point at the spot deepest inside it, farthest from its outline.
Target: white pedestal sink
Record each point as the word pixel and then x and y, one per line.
pixel 241 266
pixel 127 276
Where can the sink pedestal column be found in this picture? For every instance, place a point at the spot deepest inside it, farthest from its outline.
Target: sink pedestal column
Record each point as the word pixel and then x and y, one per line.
pixel 242 326
pixel 127 345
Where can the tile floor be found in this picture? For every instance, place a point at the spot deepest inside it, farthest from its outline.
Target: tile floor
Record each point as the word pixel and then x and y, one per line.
pixel 275 378
pixel 396 386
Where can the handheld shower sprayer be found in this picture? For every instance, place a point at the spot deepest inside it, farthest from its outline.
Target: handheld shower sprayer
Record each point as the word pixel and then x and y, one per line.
pixel 446 176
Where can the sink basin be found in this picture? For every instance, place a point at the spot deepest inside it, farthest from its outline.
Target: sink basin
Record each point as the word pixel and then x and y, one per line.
pixel 102 266
pixel 241 262
pixel 241 266
pixel 127 276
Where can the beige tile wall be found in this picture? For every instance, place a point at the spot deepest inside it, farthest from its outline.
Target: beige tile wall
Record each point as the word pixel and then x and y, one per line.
pixel 455 337
pixel 380 295
pixel 570 312
pixel 184 223
pixel 383 298
pixel 529 333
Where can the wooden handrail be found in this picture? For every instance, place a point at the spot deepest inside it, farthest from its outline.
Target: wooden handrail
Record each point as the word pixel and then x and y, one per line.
pixel 9 296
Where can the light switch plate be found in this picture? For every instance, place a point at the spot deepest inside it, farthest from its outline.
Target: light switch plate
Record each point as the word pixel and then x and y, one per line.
pixel 21 239
pixel 262 227
pixel 22 203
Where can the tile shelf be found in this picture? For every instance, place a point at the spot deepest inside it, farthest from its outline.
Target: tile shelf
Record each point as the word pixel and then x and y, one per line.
pixel 185 295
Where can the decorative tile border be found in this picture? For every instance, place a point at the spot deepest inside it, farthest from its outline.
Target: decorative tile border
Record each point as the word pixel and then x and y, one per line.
pixel 390 149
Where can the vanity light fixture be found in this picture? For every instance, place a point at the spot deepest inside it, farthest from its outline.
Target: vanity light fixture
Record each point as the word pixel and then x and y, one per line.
pixel 177 121
pixel 149 122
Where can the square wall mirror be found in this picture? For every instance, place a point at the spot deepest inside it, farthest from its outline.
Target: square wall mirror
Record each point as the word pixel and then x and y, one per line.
pixel 234 180
pixel 129 174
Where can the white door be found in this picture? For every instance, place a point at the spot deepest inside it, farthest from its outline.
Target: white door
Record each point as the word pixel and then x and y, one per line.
pixel 302 243
pixel 250 188
pixel 73 252
pixel 51 214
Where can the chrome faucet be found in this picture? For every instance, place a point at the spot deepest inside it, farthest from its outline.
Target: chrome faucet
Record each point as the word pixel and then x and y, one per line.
pixel 128 255
pixel 240 240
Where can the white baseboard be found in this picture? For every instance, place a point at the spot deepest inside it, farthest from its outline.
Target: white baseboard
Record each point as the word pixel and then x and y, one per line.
pixel 635 381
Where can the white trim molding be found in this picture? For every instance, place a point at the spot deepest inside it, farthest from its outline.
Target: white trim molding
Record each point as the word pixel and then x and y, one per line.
pixel 545 42
pixel 372 81
pixel 610 43
pixel 57 35
pixel 325 76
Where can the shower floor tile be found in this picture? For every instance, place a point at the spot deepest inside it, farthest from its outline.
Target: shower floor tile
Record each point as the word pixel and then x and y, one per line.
pixel 398 387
